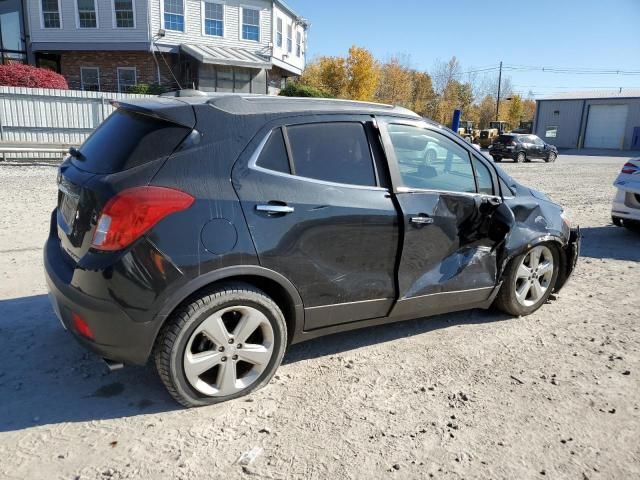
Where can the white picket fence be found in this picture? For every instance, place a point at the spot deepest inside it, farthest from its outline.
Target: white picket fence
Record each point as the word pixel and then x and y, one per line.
pixel 42 117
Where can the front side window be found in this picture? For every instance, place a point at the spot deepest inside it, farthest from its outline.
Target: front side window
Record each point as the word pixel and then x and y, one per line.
pixel 334 152
pixel 274 154
pixel 251 24
pixel 279 33
pixel 174 15
pixel 430 161
pixel 50 14
pixel 213 19
pixel 126 78
pixel 87 17
pixel 298 44
pixel 123 14
pixel 90 79
pixel 289 38
pixel 483 174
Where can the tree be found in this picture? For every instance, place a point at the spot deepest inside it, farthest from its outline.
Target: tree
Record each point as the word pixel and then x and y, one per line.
pixel 328 74
pixel 444 73
pixel 528 109
pixel 423 100
pixel 18 75
pixel 486 111
pixel 515 111
pixel 395 86
pixel 363 74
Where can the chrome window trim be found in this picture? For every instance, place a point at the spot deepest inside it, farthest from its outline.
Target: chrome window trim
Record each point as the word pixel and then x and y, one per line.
pixel 254 166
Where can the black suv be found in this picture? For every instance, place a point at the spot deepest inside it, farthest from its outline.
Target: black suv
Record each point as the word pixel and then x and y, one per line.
pixel 210 233
pixel 522 148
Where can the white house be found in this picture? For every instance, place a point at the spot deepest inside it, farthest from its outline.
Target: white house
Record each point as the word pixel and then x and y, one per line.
pixel 215 45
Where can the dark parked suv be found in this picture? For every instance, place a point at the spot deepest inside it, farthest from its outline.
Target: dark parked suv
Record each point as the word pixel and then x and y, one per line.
pixel 210 233
pixel 522 148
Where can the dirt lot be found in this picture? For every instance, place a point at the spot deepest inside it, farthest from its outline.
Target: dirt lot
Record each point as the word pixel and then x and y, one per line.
pixel 469 395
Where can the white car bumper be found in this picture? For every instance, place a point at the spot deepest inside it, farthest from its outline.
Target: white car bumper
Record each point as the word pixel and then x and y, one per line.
pixel 626 203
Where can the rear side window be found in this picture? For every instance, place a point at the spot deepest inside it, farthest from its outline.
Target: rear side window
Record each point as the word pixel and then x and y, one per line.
pixel 505 138
pixel 126 140
pixel 334 152
pixel 274 153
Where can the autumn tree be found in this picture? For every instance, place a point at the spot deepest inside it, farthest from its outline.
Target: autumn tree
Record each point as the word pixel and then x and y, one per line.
pixel 328 74
pixel 486 111
pixel 515 111
pixel 395 86
pixel 528 109
pixel 363 74
pixel 423 100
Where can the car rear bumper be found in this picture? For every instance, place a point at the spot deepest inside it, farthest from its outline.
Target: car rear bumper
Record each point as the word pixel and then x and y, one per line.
pixel 117 335
pixel 626 205
pixel 512 154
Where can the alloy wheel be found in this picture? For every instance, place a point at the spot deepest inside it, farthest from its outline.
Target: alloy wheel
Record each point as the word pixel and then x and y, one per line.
pixel 534 275
pixel 229 351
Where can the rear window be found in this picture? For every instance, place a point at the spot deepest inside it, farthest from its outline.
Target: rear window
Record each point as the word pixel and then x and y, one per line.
pixel 126 140
pixel 505 138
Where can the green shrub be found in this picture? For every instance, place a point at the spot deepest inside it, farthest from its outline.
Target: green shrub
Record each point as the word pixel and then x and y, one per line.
pixel 295 89
pixel 146 89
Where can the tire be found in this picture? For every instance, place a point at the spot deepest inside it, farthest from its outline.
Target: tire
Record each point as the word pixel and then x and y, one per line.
pixel 236 316
pixel 509 300
pixel 617 221
pixel 521 157
pixel 552 157
pixel 497 159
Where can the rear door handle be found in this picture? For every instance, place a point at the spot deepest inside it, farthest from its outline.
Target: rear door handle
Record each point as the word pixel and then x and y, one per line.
pixel 421 220
pixel 274 208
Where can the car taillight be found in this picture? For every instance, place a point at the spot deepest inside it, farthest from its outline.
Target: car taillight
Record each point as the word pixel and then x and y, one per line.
pixel 128 215
pixel 630 168
pixel 81 326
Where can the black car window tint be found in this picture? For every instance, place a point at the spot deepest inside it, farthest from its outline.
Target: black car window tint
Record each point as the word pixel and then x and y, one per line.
pixel 334 152
pixel 431 161
pixel 483 176
pixel 274 154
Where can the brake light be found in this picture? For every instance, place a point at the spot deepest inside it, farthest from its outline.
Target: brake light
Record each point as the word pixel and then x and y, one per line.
pixel 630 168
pixel 81 326
pixel 132 212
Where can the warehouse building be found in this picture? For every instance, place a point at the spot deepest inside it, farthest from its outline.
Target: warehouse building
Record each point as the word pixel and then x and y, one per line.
pixel 607 120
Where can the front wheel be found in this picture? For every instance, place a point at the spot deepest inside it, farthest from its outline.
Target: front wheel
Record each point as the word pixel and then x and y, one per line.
pixel 552 157
pixel 222 345
pixel 528 280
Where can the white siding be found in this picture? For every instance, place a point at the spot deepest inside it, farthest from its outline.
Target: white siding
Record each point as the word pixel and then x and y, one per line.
pixel 232 35
pixel 280 53
pixel 69 33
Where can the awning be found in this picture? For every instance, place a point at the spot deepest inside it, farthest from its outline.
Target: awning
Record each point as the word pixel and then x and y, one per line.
pixel 237 57
pixel 286 66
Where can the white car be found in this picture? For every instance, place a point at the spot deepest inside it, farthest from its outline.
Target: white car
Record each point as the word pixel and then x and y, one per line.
pixel 626 204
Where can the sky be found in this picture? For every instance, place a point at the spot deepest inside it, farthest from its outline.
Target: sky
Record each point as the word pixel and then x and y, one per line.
pixel 563 34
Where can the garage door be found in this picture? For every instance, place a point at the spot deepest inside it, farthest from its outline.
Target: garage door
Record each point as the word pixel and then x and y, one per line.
pixel 605 126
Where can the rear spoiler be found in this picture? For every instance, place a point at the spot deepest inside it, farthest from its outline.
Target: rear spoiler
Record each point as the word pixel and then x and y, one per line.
pixel 166 109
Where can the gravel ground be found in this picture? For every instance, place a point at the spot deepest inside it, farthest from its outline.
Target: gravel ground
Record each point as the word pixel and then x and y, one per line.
pixel 469 395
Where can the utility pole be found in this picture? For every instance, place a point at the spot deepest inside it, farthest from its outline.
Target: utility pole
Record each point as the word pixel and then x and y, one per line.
pixel 499 85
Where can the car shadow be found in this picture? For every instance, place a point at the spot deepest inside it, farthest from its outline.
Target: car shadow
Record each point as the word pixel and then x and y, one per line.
pixel 46 377
pixel 613 242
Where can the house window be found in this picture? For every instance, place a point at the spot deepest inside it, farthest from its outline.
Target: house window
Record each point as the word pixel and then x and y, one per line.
pixel 551 132
pixel 279 33
pixel 90 79
pixel 174 15
pixel 123 14
pixel 126 78
pixel 298 44
pixel 87 14
pixel 50 14
pixel 213 19
pixel 251 24
pixel 289 38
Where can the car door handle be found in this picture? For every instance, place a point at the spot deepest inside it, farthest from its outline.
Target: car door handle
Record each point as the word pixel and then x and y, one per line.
pixel 421 220
pixel 274 208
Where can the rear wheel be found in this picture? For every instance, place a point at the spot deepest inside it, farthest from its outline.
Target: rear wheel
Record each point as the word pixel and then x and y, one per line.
pixel 521 157
pixel 222 345
pixel 528 280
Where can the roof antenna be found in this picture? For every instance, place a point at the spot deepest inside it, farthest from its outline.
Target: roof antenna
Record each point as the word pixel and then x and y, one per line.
pixel 159 35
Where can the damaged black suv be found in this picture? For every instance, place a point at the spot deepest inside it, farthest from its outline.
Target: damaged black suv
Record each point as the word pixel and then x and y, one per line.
pixel 209 233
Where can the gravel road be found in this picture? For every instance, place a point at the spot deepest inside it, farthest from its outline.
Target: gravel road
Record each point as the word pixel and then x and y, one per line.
pixel 469 395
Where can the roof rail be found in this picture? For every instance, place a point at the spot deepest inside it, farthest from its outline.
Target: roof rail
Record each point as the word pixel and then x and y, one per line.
pixel 187 92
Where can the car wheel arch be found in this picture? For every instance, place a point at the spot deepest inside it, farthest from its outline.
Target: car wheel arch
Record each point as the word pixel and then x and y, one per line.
pixel 554 240
pixel 275 285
